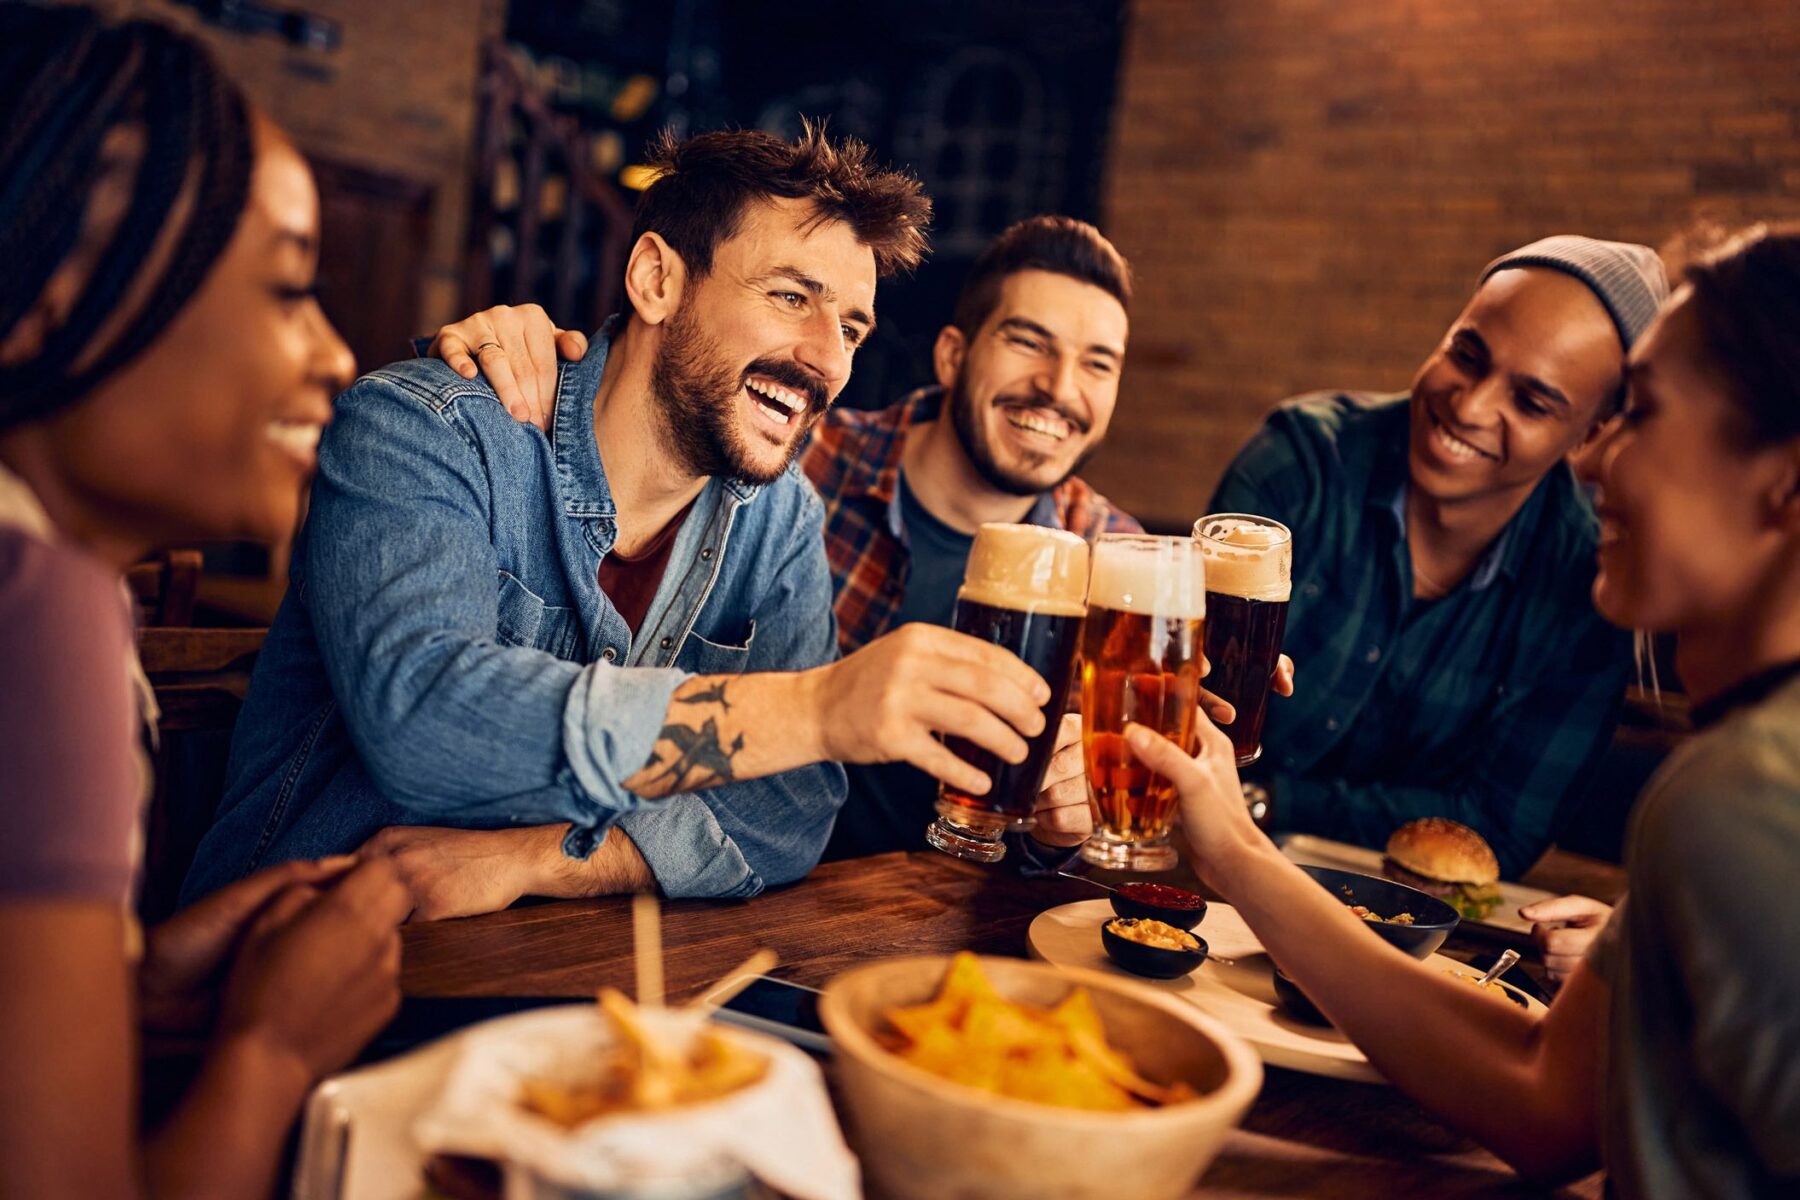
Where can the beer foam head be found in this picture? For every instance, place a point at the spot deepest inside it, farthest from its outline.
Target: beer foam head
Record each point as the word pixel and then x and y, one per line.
pixel 1246 556
pixel 1027 568
pixel 1155 576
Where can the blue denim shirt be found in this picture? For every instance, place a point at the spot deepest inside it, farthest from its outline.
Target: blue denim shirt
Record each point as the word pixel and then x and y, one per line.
pixel 445 656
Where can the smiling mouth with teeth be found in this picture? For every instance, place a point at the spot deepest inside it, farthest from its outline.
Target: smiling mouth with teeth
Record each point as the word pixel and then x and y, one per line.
pixel 1454 447
pixel 1039 421
pixel 299 438
pixel 778 403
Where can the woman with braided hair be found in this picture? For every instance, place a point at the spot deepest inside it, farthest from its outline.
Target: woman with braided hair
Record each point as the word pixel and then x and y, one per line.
pixel 165 371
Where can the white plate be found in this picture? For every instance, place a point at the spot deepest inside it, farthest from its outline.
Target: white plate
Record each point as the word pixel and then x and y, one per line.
pixel 1241 995
pixel 1310 851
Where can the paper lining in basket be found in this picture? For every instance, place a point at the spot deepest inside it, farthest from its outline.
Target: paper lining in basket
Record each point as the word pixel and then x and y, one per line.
pixel 781 1129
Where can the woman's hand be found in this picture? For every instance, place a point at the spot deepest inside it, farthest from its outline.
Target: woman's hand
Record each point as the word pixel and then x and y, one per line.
pixel 319 971
pixel 1213 814
pixel 184 957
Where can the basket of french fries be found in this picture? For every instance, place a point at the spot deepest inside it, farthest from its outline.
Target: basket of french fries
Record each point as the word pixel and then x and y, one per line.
pixel 639 1099
pixel 998 1078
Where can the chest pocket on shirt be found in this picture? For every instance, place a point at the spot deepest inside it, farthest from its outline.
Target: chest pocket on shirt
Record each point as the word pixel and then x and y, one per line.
pixel 525 620
pixel 710 658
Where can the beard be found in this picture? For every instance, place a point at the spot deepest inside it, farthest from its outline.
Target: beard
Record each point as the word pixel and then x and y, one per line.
pixel 973 436
pixel 696 392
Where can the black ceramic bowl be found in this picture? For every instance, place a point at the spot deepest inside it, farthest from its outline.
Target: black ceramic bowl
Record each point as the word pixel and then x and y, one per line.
pixel 1127 905
pixel 1298 1006
pixel 1433 919
pixel 1295 1001
pixel 1153 962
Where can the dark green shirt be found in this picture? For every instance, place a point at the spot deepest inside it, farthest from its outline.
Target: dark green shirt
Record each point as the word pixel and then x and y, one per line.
pixel 1489 706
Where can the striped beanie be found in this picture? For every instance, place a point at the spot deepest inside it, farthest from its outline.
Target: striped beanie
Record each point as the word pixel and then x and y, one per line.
pixel 1627 278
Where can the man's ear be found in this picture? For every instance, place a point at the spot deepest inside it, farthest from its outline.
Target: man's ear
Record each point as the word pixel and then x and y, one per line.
pixel 654 279
pixel 947 356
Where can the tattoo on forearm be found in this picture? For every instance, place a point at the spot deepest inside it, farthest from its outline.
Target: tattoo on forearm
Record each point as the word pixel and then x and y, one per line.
pixel 699 757
pixel 699 761
pixel 712 695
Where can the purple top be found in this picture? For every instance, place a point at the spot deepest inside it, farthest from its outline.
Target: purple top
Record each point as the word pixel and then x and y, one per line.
pixel 71 784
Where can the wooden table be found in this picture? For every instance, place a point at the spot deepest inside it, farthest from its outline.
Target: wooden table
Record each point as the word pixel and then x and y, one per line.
pixel 1305 1136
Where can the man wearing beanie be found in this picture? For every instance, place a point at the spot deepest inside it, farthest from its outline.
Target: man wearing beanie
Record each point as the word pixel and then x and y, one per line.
pixel 1451 659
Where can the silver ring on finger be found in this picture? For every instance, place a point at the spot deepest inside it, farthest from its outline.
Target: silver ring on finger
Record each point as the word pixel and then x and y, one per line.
pixel 487 346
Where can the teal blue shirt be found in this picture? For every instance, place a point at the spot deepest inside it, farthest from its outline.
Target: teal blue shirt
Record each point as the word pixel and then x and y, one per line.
pixel 1489 706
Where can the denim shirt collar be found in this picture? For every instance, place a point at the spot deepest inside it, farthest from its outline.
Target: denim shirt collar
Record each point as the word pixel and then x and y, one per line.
pixel 580 474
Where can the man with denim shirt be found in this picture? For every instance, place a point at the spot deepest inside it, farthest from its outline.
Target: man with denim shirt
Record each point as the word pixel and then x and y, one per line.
pixel 490 627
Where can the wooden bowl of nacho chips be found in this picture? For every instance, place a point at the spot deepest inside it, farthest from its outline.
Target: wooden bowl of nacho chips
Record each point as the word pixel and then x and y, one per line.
pixel 996 1078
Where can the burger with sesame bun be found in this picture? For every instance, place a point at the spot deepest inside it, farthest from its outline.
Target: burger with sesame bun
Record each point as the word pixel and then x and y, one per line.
pixel 1446 860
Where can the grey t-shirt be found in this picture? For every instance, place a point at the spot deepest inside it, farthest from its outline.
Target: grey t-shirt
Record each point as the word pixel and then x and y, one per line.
pixel 1702 1086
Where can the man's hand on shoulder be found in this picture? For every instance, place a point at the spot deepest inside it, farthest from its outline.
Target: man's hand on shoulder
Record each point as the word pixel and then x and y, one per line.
pixel 516 348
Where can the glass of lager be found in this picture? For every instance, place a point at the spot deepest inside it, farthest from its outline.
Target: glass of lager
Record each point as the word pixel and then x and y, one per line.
pixel 1249 564
pixel 1140 661
pixel 1023 591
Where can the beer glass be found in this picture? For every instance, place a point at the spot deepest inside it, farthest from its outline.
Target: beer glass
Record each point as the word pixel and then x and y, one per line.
pixel 1022 590
pixel 1249 563
pixel 1140 661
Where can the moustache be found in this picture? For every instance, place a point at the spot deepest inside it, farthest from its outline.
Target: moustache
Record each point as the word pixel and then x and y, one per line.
pixel 1042 403
pixel 795 378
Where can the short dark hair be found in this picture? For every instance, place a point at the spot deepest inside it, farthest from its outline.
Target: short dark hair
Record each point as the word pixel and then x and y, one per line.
pixel 705 182
pixel 1060 245
pixel 1746 294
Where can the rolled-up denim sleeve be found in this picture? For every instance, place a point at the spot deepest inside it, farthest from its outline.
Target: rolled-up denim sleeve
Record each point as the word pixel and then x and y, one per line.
pixel 733 841
pixel 397 573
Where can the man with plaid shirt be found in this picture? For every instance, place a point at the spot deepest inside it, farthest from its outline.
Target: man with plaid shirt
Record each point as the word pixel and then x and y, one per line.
pixel 1028 375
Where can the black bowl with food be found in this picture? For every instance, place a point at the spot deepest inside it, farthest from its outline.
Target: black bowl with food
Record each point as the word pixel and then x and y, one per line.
pixel 1300 1006
pixel 1152 948
pixel 1296 1002
pixel 1159 902
pixel 1401 915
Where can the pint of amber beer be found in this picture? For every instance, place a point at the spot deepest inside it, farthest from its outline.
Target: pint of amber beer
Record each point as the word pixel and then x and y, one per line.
pixel 1249 564
pixel 1022 590
pixel 1140 662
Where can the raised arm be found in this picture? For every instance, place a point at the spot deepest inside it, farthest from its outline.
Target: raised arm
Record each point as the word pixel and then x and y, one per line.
pixel 399 577
pixel 1523 1086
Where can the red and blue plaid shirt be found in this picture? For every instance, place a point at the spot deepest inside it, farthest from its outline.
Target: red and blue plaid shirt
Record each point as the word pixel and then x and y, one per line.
pixel 854 462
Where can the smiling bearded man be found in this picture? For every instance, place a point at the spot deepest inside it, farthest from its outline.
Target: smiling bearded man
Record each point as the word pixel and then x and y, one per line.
pixel 604 648
pixel 1443 559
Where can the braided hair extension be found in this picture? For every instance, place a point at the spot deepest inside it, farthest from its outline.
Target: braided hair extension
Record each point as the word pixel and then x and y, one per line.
pixel 67 79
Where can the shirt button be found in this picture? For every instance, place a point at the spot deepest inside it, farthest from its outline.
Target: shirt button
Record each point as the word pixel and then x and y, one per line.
pixel 706 554
pixel 666 643
pixel 609 654
pixel 1331 723
pixel 1374 654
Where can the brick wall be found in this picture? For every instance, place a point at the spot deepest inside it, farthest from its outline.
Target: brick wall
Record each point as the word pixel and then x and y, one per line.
pixel 397 97
pixel 1307 188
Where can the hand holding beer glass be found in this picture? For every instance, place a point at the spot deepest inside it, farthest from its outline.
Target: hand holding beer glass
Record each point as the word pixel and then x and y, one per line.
pixel 1140 662
pixel 1022 590
pixel 1249 568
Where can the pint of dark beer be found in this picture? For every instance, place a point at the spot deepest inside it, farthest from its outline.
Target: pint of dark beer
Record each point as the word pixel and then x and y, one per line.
pixel 1249 564
pixel 1022 590
pixel 1140 662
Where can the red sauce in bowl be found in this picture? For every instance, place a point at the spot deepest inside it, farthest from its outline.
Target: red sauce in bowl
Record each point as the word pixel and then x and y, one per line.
pixel 1161 895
